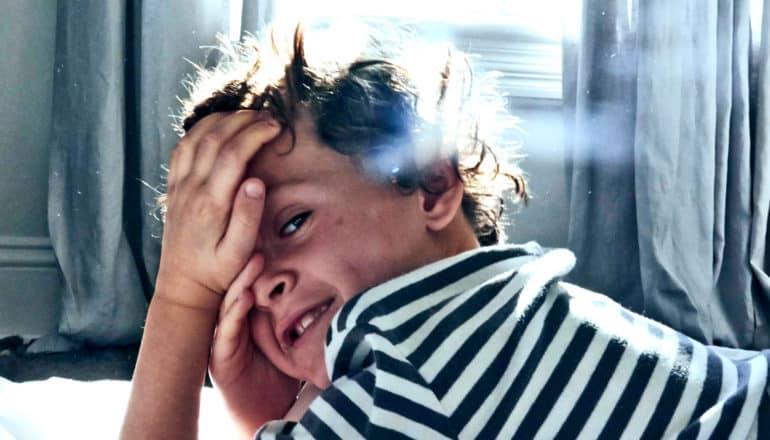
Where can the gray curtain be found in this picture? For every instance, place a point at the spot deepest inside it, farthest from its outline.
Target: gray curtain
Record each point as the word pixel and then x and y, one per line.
pixel 119 69
pixel 667 107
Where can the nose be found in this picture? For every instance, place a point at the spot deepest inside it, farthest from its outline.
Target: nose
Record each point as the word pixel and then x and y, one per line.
pixel 272 286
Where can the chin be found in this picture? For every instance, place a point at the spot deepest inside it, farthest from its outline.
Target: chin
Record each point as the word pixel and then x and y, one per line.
pixel 314 368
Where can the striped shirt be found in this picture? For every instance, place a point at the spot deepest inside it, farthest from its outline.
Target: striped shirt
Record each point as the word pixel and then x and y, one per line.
pixel 491 344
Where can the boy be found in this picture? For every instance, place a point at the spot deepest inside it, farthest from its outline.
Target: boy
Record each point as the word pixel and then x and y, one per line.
pixel 332 234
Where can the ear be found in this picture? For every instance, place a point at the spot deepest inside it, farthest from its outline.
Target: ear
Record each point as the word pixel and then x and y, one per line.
pixel 443 197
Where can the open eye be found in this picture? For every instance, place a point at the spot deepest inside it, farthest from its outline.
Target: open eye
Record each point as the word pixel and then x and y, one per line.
pixel 294 224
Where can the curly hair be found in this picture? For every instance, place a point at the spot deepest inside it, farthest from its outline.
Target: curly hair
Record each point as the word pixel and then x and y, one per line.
pixel 394 108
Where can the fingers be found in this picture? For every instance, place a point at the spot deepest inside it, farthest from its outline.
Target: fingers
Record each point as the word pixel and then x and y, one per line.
pixel 232 328
pixel 183 155
pixel 234 157
pixel 242 282
pixel 240 238
pixel 211 143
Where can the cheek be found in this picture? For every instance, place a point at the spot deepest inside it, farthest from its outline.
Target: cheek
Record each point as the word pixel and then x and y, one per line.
pixel 262 335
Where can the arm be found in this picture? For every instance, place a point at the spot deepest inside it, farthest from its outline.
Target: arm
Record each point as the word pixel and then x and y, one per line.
pixel 165 396
pixel 212 221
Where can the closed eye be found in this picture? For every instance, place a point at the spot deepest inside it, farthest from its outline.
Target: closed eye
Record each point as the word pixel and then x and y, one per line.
pixel 294 224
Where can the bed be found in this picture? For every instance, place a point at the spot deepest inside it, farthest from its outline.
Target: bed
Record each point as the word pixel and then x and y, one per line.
pixel 59 408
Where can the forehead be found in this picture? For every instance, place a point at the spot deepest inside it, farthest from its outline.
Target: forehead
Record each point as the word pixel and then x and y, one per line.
pixel 280 162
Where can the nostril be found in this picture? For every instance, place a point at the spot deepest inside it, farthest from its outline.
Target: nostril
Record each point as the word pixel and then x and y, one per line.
pixel 277 290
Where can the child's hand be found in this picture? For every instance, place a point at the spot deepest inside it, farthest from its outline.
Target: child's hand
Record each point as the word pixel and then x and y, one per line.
pixel 213 215
pixel 253 389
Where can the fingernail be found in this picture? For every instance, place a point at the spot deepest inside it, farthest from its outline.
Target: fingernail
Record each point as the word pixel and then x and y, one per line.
pixel 253 190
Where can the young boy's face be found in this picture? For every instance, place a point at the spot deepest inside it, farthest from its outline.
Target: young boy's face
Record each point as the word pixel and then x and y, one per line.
pixel 327 233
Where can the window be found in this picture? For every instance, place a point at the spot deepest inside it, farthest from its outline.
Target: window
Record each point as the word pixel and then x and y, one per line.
pixel 520 39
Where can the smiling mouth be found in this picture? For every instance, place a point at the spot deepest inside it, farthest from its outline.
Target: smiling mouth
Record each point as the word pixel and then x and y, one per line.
pixel 304 322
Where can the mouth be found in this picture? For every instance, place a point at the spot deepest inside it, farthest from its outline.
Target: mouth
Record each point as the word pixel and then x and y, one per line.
pixel 304 321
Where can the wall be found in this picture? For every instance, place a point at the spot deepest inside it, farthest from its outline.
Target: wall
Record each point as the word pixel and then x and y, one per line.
pixel 29 279
pixel 541 133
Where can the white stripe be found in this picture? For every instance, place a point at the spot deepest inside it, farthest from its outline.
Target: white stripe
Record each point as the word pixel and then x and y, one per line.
pixel 710 418
pixel 577 383
pixel 533 276
pixel 381 291
pixel 409 390
pixel 404 425
pixel 358 395
pixel 408 311
pixel 448 347
pixel 268 433
pixel 537 381
pixel 667 351
pixel 692 391
pixel 272 429
pixel 486 354
pixel 639 341
pixel 756 387
pixel 524 347
pixel 329 415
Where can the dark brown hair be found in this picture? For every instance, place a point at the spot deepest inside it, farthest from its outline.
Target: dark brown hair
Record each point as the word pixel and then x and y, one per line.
pixel 393 115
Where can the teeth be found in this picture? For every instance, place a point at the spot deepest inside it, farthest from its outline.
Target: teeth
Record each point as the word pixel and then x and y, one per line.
pixel 308 319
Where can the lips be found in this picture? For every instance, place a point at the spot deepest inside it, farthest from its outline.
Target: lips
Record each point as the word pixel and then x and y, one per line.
pixel 303 321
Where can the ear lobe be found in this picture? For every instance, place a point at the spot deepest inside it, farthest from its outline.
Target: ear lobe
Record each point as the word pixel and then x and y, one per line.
pixel 440 206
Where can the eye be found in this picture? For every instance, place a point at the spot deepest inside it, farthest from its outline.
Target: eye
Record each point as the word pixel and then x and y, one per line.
pixel 294 224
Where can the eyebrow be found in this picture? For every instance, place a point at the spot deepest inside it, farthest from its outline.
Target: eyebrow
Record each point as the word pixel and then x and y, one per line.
pixel 294 181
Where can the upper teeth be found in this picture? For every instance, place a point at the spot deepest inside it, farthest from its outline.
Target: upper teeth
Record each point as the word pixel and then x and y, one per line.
pixel 308 319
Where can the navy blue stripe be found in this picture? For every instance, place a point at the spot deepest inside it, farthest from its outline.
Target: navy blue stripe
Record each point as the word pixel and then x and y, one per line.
pixel 287 427
pixel 380 432
pixel 454 319
pixel 491 375
pixel 430 284
pixel 556 383
pixel 389 401
pixel 691 432
pixel 464 355
pixel 401 333
pixel 316 426
pixel 345 354
pixel 712 384
pixel 399 368
pixel 365 380
pixel 344 312
pixel 593 391
pixel 553 321
pixel 734 404
pixel 435 282
pixel 709 395
pixel 763 416
pixel 672 392
pixel 629 399
pixel 285 433
pixel 383 399
pixel 346 408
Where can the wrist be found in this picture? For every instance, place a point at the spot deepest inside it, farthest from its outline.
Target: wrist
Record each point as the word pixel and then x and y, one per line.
pixel 187 293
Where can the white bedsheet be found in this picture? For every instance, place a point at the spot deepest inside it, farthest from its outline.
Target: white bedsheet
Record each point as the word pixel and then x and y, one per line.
pixel 67 409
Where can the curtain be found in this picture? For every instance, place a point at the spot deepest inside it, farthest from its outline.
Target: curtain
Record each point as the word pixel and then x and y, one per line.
pixel 666 106
pixel 119 70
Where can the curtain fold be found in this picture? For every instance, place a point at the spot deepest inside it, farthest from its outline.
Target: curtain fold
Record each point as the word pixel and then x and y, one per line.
pixel 119 70
pixel 669 184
